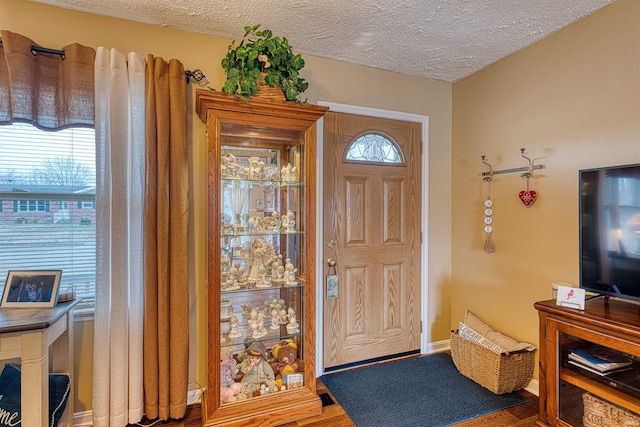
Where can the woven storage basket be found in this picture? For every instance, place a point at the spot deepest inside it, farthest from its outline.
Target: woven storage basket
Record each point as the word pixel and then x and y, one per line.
pixel 599 413
pixel 267 92
pixel 496 372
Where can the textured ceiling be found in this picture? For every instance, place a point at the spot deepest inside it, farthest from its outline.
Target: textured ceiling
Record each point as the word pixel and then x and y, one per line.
pixel 438 39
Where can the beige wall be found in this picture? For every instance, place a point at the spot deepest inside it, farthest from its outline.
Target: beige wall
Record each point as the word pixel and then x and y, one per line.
pixel 329 81
pixel 573 100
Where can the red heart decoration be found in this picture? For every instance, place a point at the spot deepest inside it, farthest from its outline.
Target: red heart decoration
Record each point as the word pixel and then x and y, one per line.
pixel 528 197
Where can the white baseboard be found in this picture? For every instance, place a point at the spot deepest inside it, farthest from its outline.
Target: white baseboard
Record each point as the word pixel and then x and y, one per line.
pixel 195 396
pixel 533 387
pixel 438 346
pixel 85 419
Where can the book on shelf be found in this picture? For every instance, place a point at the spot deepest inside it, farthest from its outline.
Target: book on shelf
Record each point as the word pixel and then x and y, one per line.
pixel 599 359
pixel 595 371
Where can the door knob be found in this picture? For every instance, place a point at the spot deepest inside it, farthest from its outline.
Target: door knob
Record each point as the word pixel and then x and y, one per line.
pixel 331 262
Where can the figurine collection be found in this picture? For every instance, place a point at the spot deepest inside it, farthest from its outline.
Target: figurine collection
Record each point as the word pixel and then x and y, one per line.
pixel 256 170
pixel 254 263
pixel 259 374
pixel 255 223
pixel 264 268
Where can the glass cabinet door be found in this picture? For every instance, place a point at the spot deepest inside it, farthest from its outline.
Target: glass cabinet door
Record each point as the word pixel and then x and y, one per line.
pixel 262 268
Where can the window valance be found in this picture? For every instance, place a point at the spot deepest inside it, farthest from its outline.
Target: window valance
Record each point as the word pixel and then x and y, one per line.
pixel 43 88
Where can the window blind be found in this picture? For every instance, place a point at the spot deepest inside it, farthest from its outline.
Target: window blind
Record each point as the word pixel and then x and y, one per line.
pixel 47 205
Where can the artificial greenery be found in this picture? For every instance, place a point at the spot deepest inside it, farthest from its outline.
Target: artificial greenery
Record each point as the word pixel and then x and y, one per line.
pixel 259 51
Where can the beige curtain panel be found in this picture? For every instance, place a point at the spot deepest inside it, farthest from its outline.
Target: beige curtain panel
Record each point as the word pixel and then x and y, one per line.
pixel 166 218
pixel 44 89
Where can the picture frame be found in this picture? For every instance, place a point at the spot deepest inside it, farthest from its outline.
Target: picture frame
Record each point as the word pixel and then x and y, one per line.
pixel 31 289
pixel 293 380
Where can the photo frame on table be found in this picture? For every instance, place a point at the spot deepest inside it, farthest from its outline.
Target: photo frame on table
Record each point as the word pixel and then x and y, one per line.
pixel 31 289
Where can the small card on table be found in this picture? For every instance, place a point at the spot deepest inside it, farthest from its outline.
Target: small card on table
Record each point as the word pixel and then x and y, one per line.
pixel 570 297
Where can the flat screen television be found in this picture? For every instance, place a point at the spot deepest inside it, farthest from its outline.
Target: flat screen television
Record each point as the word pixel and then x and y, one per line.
pixel 610 231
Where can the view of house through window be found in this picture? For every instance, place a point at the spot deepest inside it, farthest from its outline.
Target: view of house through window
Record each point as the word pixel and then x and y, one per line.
pixel 47 204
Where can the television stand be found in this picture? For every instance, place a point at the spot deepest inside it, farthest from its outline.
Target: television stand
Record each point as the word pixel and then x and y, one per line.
pixel 614 325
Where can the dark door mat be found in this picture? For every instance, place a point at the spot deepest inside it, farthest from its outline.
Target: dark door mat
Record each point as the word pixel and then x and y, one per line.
pixel 326 399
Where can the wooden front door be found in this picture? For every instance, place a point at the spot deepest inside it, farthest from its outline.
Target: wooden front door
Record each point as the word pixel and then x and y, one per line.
pixel 372 210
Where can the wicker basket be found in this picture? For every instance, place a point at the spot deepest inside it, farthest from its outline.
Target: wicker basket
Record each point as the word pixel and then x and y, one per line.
pixel 267 92
pixel 496 372
pixel 599 413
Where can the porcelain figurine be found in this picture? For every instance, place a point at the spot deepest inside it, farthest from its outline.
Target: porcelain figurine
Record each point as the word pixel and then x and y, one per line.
pixel 229 388
pixel 256 372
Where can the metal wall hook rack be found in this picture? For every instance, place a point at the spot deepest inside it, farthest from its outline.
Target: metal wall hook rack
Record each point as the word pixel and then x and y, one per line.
pixel 489 174
pixel 527 170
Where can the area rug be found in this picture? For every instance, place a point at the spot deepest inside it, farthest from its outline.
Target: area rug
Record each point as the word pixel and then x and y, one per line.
pixel 425 391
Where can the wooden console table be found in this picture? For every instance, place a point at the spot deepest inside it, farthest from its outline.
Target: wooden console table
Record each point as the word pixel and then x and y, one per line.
pixel 27 333
pixel 612 324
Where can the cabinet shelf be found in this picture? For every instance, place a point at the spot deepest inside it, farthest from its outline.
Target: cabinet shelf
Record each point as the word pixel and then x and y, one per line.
pixel 263 183
pixel 272 288
pixel 269 338
pixel 260 234
pixel 594 387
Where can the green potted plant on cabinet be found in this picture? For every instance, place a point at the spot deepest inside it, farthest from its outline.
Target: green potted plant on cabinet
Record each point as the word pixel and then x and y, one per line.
pixel 263 59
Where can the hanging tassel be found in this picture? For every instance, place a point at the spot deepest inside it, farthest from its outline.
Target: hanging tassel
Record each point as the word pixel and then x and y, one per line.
pixel 488 220
pixel 488 228
pixel 488 244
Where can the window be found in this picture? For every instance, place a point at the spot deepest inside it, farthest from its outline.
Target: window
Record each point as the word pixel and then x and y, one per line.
pixel 86 204
pixel 47 186
pixel 374 148
pixel 31 206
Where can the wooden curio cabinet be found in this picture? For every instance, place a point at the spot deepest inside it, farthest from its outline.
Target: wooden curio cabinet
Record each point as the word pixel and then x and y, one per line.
pixel 261 259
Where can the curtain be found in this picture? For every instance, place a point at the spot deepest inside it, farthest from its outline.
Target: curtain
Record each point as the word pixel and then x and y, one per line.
pixel 118 397
pixel 43 89
pixel 166 308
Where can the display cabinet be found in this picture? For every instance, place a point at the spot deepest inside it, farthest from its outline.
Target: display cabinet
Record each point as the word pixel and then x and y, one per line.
pixel 571 392
pixel 261 260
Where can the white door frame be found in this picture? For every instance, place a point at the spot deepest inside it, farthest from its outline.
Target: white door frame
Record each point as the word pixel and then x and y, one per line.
pixel 424 284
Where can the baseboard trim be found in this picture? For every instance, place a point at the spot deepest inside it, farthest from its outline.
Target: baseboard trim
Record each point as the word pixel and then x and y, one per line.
pixel 85 419
pixel 533 387
pixel 439 346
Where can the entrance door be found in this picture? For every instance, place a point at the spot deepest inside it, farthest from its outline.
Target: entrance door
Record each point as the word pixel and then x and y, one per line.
pixel 372 210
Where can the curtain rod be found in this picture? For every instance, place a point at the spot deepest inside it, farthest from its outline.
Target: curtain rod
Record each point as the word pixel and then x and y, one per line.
pixel 35 49
pixel 195 74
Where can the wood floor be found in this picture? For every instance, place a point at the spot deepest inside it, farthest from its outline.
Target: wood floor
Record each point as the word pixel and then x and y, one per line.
pixel 524 415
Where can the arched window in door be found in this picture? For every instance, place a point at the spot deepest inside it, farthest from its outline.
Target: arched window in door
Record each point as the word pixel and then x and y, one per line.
pixel 374 148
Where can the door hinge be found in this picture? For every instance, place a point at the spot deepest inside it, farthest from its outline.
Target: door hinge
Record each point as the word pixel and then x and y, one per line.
pixel 421 237
pixel 421 326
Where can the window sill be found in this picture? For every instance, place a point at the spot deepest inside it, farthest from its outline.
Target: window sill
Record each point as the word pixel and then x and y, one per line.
pixel 85 314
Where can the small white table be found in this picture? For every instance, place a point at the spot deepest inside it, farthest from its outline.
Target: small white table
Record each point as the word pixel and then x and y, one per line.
pixel 28 334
